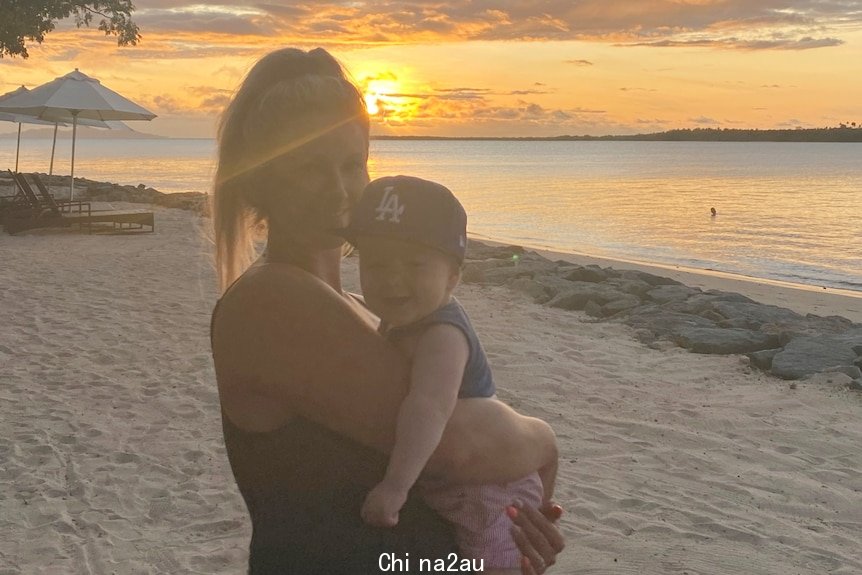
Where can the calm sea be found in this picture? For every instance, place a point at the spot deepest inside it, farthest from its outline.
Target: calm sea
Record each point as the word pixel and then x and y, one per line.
pixel 786 211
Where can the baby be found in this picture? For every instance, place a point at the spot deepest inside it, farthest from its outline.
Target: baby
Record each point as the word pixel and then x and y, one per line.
pixel 411 235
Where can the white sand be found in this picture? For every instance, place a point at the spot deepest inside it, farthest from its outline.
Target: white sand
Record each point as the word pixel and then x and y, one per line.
pixel 111 456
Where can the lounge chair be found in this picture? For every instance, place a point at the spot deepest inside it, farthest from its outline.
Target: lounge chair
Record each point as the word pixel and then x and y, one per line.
pixel 16 202
pixel 25 211
pixel 73 212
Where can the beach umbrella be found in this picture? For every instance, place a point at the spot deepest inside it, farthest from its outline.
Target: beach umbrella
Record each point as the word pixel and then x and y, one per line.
pixel 79 96
pixel 21 119
pixel 61 118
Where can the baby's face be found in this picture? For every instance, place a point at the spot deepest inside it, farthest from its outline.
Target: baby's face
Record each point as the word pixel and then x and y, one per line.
pixel 403 282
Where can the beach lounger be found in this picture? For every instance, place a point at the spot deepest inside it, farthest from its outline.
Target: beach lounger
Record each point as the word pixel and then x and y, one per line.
pixel 49 212
pixel 122 220
pixel 46 199
pixel 26 212
pixel 15 202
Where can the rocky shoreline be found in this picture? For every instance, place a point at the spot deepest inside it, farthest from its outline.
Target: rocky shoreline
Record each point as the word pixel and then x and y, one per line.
pixel 108 192
pixel 662 311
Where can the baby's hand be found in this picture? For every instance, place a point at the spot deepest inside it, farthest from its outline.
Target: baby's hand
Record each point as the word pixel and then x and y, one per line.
pixel 382 505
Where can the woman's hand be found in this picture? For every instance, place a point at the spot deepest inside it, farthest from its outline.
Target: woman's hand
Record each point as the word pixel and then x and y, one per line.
pixel 537 536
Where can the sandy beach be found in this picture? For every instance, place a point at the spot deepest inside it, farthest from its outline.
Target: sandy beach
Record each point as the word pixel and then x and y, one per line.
pixel 671 462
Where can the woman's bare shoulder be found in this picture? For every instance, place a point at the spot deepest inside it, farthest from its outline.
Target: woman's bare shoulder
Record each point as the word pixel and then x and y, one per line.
pixel 279 296
pixel 273 280
pixel 276 310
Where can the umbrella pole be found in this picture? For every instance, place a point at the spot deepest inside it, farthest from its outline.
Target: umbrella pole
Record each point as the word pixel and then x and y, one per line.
pixel 74 134
pixel 18 149
pixel 53 147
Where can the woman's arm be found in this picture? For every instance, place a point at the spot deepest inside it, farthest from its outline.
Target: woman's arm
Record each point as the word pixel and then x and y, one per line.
pixel 287 344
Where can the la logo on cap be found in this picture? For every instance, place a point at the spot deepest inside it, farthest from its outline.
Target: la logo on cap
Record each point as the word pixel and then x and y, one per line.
pixel 389 205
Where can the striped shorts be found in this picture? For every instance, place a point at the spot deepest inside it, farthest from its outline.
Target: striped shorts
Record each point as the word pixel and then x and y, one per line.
pixel 478 513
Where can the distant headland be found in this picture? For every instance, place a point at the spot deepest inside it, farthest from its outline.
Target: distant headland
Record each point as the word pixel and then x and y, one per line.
pixel 851 133
pixel 843 133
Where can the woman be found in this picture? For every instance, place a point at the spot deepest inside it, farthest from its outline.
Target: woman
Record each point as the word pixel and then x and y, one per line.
pixel 309 391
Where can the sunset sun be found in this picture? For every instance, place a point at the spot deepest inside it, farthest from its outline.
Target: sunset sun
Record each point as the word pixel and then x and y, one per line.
pixel 384 97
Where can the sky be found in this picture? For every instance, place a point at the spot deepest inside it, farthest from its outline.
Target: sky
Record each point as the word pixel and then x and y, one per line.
pixel 479 68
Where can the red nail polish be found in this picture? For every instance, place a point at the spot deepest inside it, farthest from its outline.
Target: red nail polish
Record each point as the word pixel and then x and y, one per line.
pixel 556 511
pixel 512 512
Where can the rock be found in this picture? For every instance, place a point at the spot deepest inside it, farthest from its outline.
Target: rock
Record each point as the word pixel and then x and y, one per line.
pixel 616 306
pixel 785 337
pixel 712 315
pixel 755 315
pixel 662 322
pixel 553 284
pixel 827 324
pixel 714 340
pixel 737 323
pixel 501 275
pixel 662 344
pixel 593 309
pixel 671 293
pixel 645 336
pixel 702 302
pixel 592 274
pixel 498 271
pixel 855 384
pixel 857 349
pixel 763 359
pixel 649 278
pixel 850 371
pixel 634 287
pixel 807 355
pixel 579 293
pixel 530 287
pixel 473 272
pixel 479 251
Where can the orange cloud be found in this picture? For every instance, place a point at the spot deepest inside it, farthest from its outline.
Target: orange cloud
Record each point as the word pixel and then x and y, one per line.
pixel 642 22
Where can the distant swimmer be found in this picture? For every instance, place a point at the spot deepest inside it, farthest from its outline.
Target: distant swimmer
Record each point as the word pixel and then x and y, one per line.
pixel 713 212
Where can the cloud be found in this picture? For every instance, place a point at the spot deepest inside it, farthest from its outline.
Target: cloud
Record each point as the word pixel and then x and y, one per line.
pixel 723 24
pixel 174 29
pixel 200 18
pixel 651 122
pixel 526 92
pixel 806 43
pixel 792 123
pixel 192 101
pixel 478 110
pixel 704 121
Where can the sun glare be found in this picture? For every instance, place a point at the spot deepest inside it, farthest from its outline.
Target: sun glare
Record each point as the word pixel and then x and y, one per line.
pixel 383 98
pixel 371 104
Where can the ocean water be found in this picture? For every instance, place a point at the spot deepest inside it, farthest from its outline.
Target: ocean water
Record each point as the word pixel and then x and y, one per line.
pixel 786 211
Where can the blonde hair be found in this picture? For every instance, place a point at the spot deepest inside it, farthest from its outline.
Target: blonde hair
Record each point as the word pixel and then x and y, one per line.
pixel 289 98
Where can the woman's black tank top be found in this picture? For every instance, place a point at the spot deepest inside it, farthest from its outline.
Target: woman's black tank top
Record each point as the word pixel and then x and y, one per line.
pixel 304 486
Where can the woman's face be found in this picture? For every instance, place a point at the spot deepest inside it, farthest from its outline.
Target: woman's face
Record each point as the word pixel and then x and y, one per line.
pixel 318 183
